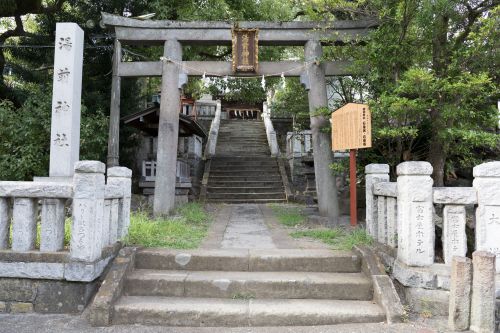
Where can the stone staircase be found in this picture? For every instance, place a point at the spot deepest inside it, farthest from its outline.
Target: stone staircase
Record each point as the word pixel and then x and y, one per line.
pixel 243 170
pixel 277 287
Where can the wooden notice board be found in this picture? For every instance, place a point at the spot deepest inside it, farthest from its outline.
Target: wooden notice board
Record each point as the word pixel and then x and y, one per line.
pixel 351 127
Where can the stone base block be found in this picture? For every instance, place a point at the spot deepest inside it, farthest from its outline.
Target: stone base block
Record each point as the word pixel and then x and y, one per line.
pixel 45 296
pixel 428 302
pixel 436 276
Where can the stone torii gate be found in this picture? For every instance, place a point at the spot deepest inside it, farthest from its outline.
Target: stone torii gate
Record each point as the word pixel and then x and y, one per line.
pixel 174 72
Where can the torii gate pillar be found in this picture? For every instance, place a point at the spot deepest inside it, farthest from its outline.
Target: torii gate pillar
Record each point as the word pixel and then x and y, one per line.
pixel 326 187
pixel 168 130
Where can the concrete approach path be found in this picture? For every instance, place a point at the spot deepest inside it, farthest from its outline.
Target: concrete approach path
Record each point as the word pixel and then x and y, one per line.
pixel 251 226
pixel 234 226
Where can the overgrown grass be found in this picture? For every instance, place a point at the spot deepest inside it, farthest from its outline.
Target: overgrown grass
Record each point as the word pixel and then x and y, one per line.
pixel 288 215
pixel 186 230
pixel 338 238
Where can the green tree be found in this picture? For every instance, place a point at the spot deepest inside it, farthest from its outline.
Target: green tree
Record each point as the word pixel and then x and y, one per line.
pixel 433 76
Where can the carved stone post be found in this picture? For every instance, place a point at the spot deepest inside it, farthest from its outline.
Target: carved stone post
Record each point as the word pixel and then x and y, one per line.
pixel 24 224
pixel 121 176
pixel 168 130
pixel 52 229
pixel 482 316
pixel 415 207
pixel 88 211
pixel 487 184
pixel 326 186
pixel 375 173
pixel 460 293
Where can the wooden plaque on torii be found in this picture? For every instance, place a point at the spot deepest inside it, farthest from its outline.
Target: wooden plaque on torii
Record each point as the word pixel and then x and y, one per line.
pixel 245 50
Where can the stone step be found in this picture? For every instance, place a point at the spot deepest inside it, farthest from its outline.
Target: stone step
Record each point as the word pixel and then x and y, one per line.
pixel 270 171
pixel 249 142
pixel 245 168
pixel 247 189
pixel 242 166
pixel 213 312
pixel 247 196
pixel 233 142
pixel 247 201
pixel 241 178
pixel 250 155
pixel 252 260
pixel 236 161
pixel 244 158
pixel 231 184
pixel 223 284
pixel 236 150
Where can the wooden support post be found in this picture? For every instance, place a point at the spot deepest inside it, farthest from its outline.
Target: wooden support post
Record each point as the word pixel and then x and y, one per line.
pixel 353 180
pixel 114 113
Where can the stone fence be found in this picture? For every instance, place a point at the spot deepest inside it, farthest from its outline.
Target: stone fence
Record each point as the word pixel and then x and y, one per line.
pixel 299 144
pixel 402 216
pixel 100 217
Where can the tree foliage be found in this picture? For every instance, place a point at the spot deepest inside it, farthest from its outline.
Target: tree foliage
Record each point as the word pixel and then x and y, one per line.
pixel 432 78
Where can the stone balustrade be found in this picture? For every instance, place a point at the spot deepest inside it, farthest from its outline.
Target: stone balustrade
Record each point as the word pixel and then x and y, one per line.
pixel 100 217
pixel 214 133
pixel 299 144
pixel 401 214
pixel 270 132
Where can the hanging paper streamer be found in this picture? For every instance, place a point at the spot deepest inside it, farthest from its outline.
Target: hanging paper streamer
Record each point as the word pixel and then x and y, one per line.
pixel 263 82
pixel 205 80
pixel 226 83
pixel 283 81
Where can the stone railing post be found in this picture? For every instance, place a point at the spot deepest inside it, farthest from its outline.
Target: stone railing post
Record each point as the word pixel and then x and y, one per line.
pixel 482 315
pixel 88 203
pixel 487 184
pixel 24 214
pixel 4 223
pixel 415 207
pixel 52 229
pixel 375 173
pixel 454 218
pixel 460 293
pixel 122 177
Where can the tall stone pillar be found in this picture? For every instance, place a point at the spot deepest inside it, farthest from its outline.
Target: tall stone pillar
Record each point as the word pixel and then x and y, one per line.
pixel 326 186
pixel 66 100
pixel 487 184
pixel 168 130
pixel 114 113
pixel 415 206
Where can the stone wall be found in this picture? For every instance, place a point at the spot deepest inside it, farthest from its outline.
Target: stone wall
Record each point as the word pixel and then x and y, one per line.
pixel 45 296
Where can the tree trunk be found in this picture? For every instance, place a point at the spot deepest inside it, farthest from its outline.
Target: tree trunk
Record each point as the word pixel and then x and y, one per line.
pixel 437 158
pixel 438 149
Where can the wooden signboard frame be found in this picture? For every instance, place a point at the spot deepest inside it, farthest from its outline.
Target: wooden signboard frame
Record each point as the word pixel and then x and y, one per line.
pixel 351 127
pixel 245 50
pixel 352 130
